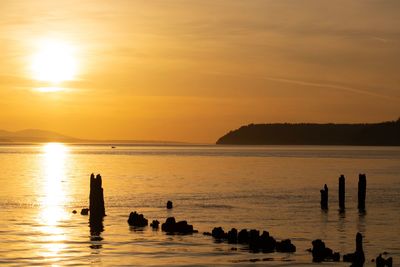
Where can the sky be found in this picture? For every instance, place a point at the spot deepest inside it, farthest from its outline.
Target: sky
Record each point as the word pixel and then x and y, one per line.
pixel 192 70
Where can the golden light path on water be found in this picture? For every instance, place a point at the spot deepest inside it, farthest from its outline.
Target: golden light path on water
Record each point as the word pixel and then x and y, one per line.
pixel 54 196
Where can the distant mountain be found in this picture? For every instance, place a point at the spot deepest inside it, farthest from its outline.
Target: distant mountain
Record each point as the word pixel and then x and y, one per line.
pixel 369 134
pixel 34 135
pixel 41 136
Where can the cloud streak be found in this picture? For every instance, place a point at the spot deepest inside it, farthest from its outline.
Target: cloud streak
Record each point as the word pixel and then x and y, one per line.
pixel 329 85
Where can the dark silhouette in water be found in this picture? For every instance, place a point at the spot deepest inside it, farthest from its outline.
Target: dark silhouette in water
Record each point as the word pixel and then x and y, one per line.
pixel 85 211
pixel 96 210
pixel 169 204
pixel 137 220
pixel 154 224
pixel 322 253
pixel 357 258
pixel 96 227
pixel 256 242
pixel 371 134
pixel 324 197
pixel 96 198
pixel 362 191
pixel 342 191
pixel 381 262
pixel 172 227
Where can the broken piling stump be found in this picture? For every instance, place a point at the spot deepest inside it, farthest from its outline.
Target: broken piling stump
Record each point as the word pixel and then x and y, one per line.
pixel 342 191
pixel 362 190
pixel 357 258
pixel 96 198
pixel 324 197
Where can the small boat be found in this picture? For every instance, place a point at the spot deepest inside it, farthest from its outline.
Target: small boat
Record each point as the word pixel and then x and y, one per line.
pixel 113 147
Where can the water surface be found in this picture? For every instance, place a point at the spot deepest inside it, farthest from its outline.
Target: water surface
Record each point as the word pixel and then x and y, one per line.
pixel 274 188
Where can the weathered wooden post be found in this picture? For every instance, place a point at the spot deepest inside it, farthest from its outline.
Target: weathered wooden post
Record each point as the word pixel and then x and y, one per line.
pixel 342 190
pixel 324 197
pixel 96 198
pixel 362 190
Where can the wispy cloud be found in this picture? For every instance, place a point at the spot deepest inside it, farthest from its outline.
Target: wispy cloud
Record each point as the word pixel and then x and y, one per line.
pixel 316 84
pixel 331 86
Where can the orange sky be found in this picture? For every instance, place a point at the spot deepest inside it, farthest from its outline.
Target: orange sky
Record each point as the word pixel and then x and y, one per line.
pixel 192 70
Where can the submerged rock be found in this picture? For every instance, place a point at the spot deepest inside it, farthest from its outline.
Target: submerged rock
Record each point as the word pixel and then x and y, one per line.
pixel 154 224
pixel 322 253
pixel 285 246
pixel 138 220
pixel 243 236
pixel 253 239
pixel 232 236
pixel 169 204
pixel 218 233
pixel 85 211
pixel 268 243
pixel 381 262
pixel 173 227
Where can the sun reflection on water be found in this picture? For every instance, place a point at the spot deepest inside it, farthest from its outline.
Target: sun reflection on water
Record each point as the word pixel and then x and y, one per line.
pixel 54 197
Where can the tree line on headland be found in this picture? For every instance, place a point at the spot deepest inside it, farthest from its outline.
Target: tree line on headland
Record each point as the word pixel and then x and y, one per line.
pixel 360 134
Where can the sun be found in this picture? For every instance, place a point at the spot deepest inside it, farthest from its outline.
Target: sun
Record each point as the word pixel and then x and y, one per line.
pixel 54 62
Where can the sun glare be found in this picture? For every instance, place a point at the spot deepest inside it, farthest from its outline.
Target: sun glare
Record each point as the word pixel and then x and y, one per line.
pixel 54 62
pixel 54 161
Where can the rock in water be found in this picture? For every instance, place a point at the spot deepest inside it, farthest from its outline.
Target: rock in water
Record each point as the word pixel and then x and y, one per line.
pixel 96 198
pixel 218 233
pixel 173 227
pixel 232 236
pixel 84 211
pixel 243 236
pixel 285 246
pixel 268 243
pixel 381 262
pixel 169 204
pixel 137 220
pixel 256 242
pixel 322 253
pixel 155 224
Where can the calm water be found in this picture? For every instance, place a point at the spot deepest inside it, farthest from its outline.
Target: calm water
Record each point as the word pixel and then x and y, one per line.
pixel 269 188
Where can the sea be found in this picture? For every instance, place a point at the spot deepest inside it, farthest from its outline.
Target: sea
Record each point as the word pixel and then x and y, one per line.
pixel 268 188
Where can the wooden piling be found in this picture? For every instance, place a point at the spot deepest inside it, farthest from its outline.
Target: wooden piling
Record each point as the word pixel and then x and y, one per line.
pixel 324 197
pixel 96 198
pixel 362 190
pixel 342 190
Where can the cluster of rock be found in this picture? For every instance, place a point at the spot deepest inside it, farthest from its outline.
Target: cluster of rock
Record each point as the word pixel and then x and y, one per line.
pixel 322 253
pixel 172 227
pixel 253 239
pixel 137 220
